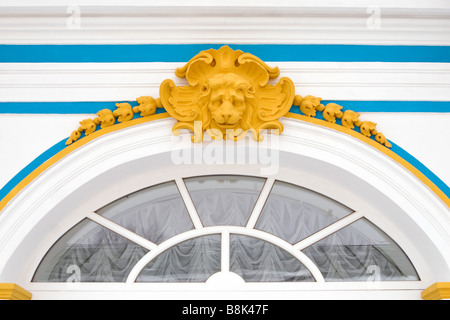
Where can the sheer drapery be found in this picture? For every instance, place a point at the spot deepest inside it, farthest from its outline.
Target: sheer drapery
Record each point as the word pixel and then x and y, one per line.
pixel 256 260
pixel 157 213
pixel 191 261
pixel 224 200
pixel 224 209
pixel 293 213
pixel 89 253
pixel 361 252
pixel 92 253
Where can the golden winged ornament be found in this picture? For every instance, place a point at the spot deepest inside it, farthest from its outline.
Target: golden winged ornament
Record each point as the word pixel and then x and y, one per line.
pixel 229 94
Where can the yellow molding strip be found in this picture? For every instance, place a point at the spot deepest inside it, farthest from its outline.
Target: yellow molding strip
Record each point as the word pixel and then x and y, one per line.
pixel 11 291
pixel 438 291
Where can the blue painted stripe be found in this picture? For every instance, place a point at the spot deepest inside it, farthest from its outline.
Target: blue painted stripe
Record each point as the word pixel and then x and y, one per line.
pixel 394 106
pixel 56 107
pixel 61 107
pixel 36 163
pixel 184 52
pixel 422 168
pixel 94 107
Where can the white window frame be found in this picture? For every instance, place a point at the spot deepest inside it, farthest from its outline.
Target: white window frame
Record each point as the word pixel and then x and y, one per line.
pixel 225 231
pixel 415 225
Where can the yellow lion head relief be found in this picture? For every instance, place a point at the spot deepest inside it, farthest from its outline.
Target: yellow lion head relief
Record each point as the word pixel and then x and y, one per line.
pixel 229 94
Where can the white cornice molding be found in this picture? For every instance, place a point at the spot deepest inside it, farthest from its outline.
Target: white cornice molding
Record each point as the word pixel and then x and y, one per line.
pixel 299 22
pixel 53 82
pixel 235 3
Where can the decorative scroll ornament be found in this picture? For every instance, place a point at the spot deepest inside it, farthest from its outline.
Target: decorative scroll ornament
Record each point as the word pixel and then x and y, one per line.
pixel 228 95
pixel 309 106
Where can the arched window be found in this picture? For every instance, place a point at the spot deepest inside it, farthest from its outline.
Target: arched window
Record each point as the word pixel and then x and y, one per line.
pixel 335 221
pixel 194 229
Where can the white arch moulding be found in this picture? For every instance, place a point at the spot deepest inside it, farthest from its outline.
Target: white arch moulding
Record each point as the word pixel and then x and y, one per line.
pixel 315 157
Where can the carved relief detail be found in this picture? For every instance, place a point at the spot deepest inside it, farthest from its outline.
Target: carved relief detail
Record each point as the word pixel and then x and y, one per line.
pixel 228 94
pixel 228 91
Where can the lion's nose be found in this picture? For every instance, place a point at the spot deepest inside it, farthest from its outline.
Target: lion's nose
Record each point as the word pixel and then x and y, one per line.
pixel 227 111
pixel 226 116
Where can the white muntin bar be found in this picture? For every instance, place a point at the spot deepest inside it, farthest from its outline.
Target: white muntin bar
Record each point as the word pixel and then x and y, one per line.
pixel 325 232
pixel 189 203
pixel 265 192
pixel 225 251
pixel 122 231
pixel 222 230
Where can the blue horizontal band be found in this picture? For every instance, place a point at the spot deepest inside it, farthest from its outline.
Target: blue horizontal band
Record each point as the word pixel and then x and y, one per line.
pixel 394 106
pixel 58 107
pixel 184 52
pixel 94 107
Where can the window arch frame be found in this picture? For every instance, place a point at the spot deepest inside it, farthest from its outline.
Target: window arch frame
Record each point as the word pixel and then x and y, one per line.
pixel 286 175
pixel 250 229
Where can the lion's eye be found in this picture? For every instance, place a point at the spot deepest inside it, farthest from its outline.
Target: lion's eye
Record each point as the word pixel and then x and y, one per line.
pixel 251 90
pixel 204 89
pixel 217 102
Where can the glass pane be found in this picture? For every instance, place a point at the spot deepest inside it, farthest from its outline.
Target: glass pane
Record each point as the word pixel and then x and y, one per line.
pixel 361 252
pixel 224 200
pixel 294 213
pixel 89 253
pixel 191 261
pixel 156 213
pixel 256 260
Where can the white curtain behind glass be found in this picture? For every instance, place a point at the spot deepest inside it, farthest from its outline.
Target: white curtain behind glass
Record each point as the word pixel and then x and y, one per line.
pixel 157 213
pixel 293 213
pixel 191 261
pixel 89 253
pixel 256 260
pixel 224 200
pixel 361 252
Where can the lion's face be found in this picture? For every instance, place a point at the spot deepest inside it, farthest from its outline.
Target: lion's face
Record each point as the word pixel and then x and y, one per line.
pixel 229 94
pixel 227 103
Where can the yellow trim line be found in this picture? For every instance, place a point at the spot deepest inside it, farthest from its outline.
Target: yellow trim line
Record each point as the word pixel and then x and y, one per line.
pixel 438 291
pixel 20 186
pixel 11 291
pixel 78 144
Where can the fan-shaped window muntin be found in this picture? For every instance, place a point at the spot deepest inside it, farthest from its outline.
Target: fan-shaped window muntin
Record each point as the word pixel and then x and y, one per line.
pixel 276 232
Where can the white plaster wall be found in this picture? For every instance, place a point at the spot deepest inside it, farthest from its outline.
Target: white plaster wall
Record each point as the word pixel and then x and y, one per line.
pixel 426 136
pixel 25 137
pixel 238 21
pixel 378 81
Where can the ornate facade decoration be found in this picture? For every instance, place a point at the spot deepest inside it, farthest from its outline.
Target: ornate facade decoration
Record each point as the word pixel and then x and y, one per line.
pixel 309 106
pixel 228 94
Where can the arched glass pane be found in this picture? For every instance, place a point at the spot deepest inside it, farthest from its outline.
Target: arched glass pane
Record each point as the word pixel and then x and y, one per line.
pixel 256 260
pixel 156 213
pixel 294 213
pixel 224 200
pixel 89 253
pixel 361 252
pixel 194 260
